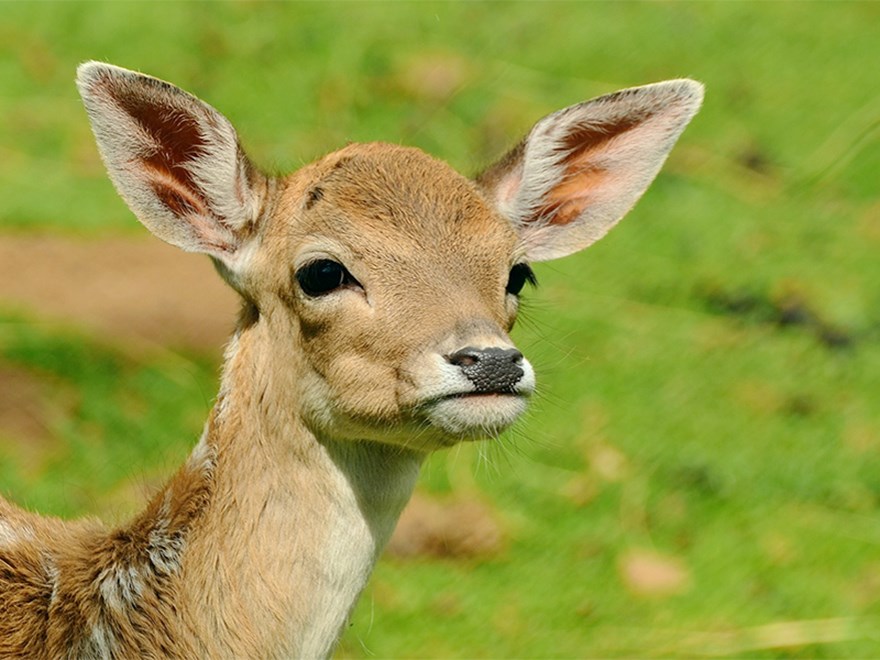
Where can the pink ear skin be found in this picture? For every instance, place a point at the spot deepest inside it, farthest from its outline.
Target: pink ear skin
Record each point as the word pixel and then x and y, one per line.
pixel 581 169
pixel 174 159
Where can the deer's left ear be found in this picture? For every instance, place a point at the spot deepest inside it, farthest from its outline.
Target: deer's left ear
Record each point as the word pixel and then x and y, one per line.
pixel 175 160
pixel 580 169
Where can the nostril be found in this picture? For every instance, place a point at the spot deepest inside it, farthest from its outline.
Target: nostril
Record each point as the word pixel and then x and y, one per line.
pixel 466 357
pixel 514 355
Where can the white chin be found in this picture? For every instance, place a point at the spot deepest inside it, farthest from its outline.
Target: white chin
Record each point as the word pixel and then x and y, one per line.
pixel 476 416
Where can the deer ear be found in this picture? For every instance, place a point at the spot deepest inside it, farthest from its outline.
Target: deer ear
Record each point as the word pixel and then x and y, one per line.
pixel 581 169
pixel 175 161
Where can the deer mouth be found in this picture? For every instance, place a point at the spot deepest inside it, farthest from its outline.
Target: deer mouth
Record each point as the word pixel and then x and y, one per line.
pixel 475 415
pixel 508 391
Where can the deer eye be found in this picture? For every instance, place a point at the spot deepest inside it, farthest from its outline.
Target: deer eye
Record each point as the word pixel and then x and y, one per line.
pixel 320 277
pixel 519 275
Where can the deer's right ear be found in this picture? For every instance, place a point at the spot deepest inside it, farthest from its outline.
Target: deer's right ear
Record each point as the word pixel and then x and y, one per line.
pixel 581 169
pixel 175 161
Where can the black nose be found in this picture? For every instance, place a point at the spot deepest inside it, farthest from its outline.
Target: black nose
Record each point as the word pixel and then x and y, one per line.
pixel 491 370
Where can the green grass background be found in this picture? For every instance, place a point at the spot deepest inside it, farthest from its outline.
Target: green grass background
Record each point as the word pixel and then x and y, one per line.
pixel 709 371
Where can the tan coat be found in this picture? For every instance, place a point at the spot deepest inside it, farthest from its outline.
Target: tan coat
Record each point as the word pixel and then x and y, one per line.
pixel 378 290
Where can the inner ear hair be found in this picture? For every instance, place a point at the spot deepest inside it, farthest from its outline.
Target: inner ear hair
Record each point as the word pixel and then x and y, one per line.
pixel 579 170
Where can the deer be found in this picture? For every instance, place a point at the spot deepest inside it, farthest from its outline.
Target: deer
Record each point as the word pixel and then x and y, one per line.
pixel 378 289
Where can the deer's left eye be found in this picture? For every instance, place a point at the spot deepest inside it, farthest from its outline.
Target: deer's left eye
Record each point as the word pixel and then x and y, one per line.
pixel 324 276
pixel 519 275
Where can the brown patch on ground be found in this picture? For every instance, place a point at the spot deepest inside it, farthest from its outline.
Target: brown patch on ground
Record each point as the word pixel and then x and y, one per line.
pixel 125 288
pixel 649 573
pixel 434 76
pixel 460 529
pixel 26 414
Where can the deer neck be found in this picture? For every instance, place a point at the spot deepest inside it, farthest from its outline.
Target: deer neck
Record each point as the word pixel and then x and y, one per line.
pixel 294 523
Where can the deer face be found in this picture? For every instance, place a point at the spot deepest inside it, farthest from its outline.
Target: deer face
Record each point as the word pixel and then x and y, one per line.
pixel 393 274
pixel 384 283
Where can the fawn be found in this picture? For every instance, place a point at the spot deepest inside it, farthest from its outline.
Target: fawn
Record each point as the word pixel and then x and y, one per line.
pixel 378 288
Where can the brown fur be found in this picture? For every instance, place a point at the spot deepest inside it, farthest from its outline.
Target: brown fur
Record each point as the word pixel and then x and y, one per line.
pixel 67 580
pixel 261 543
pixel 74 584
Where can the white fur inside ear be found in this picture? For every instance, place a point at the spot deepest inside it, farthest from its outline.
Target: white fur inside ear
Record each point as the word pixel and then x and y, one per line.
pixel 174 159
pixel 581 169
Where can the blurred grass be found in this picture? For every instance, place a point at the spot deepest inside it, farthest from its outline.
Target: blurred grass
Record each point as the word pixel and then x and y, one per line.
pixel 709 371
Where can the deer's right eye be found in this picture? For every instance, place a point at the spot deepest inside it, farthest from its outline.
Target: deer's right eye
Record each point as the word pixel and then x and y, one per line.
pixel 519 275
pixel 323 276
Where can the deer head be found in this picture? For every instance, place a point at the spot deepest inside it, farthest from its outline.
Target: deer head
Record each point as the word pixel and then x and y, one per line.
pixel 383 284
